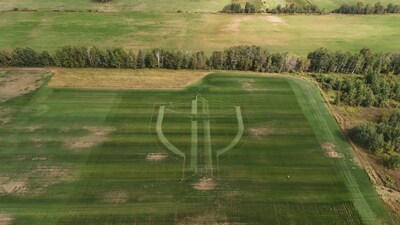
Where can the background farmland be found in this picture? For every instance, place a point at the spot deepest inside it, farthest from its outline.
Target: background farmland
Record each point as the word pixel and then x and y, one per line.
pixel 163 5
pixel 201 32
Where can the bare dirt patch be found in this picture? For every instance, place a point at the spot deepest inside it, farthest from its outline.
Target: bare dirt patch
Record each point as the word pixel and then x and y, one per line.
pixel 330 150
pixel 96 136
pixel 14 186
pixel 205 184
pixel 124 78
pixel 156 156
pixel 5 218
pixel 390 197
pixel 18 82
pixel 116 197
pixel 6 115
pixel 260 132
pixel 35 181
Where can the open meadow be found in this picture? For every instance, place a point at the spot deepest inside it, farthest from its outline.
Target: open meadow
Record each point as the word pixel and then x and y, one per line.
pixel 199 32
pixel 164 5
pixel 228 149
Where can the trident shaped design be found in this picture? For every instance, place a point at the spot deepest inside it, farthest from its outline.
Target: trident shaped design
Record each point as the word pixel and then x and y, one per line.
pixel 206 165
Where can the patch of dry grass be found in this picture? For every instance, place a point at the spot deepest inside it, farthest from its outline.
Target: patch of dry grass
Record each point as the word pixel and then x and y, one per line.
pixel 19 81
pixel 124 78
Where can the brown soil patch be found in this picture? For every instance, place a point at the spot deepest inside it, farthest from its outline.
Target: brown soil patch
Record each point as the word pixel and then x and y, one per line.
pixel 260 132
pixel 14 82
pixel 124 78
pixel 96 136
pixel 390 197
pixel 116 197
pixel 156 156
pixel 11 186
pixel 330 150
pixel 35 181
pixel 205 184
pixel 5 219
pixel 6 115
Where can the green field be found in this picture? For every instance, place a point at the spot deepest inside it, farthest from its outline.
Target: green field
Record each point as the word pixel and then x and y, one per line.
pixel 76 156
pixel 47 31
pixel 163 5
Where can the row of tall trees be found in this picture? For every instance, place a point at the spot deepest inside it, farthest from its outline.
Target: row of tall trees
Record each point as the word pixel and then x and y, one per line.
pixel 370 90
pixel 361 8
pixel 325 61
pixel 245 58
pixel 292 8
pixel 381 138
pixel 237 8
pixel 296 8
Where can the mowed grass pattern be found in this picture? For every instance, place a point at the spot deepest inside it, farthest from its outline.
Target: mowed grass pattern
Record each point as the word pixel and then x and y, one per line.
pixel 278 176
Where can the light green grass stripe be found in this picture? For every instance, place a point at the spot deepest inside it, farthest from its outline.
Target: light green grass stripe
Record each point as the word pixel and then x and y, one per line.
pixel 326 128
pixel 194 139
pixel 207 138
pixel 161 136
pixel 238 135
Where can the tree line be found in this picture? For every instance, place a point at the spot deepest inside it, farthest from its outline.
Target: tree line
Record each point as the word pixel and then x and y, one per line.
pixel 244 58
pixel 361 8
pixel 370 90
pixel 237 8
pixel 381 138
pixel 292 8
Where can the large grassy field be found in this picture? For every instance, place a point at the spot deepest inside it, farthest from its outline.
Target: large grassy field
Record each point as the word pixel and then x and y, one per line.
pixel 195 31
pixel 253 151
pixel 164 5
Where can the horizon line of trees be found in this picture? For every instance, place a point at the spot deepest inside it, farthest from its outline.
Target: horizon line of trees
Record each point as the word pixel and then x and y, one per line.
pixel 361 8
pixel 292 8
pixel 243 58
pixel 237 8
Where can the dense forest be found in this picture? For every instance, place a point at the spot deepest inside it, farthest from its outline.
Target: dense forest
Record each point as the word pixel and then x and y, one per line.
pixel 381 138
pixel 370 90
pixel 243 58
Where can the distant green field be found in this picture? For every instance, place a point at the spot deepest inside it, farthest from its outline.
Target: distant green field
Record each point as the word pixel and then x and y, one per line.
pixel 119 5
pixel 164 5
pixel 277 172
pixel 299 34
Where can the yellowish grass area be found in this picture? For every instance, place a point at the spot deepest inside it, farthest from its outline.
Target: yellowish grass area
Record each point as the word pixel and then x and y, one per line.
pixel 124 78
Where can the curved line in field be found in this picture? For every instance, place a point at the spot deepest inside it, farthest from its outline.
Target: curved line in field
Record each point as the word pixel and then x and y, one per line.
pixel 238 136
pixel 161 135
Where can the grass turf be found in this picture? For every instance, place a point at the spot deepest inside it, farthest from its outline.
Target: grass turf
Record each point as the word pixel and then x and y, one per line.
pixel 114 183
pixel 42 31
